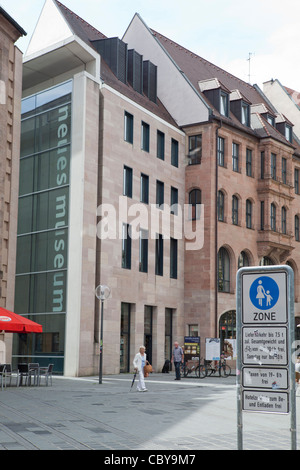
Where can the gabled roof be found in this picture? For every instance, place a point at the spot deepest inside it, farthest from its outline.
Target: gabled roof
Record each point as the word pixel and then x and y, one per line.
pixel 198 69
pixel 295 95
pixel 79 26
pixel 88 34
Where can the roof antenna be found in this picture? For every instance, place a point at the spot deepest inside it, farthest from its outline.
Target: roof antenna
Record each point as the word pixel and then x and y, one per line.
pixel 249 60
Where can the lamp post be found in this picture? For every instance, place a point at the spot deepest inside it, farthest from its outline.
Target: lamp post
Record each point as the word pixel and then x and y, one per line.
pixel 102 293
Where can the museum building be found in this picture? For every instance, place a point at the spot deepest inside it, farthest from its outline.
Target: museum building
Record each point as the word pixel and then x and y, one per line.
pixel 148 169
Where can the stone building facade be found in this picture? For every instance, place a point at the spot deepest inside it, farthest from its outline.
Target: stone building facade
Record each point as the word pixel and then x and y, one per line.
pixel 166 174
pixel 10 110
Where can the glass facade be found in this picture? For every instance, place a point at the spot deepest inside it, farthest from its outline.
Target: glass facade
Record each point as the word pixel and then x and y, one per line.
pixel 42 243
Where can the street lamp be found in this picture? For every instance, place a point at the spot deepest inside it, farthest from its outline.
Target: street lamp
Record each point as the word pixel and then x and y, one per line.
pixel 102 293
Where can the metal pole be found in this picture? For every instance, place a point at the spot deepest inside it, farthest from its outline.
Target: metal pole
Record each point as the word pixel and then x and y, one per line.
pixel 101 345
pixel 291 300
pixel 239 362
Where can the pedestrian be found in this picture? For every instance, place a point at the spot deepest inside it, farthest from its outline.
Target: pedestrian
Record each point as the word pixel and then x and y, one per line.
pixel 177 358
pixel 139 363
pixel 297 370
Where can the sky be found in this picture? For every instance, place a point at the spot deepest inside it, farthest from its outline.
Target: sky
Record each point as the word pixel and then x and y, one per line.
pixel 224 32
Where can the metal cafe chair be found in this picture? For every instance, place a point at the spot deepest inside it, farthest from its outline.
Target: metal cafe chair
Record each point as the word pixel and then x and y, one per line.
pixel 24 372
pixel 9 373
pixel 47 373
pixel 2 376
pixel 34 370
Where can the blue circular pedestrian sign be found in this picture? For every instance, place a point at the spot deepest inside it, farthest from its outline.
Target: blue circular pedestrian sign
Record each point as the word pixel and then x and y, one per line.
pixel 264 293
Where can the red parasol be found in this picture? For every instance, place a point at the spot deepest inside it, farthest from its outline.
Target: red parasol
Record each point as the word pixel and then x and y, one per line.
pixel 14 323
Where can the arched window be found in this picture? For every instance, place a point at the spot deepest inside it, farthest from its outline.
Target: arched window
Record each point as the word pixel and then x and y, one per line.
pixel 195 201
pixel 223 270
pixel 266 261
pixel 243 260
pixel 297 237
pixel 273 217
pixel 235 210
pixel 221 206
pixel 248 213
pixel 283 220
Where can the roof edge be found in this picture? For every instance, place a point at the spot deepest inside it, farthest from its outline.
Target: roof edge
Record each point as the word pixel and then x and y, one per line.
pixel 13 22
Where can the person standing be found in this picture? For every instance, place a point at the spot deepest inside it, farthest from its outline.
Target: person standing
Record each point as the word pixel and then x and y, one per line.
pixel 177 358
pixel 139 362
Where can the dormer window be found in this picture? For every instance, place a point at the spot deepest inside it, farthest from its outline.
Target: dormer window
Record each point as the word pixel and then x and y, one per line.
pixel 271 120
pixel 245 114
pixel 240 107
pixel 224 103
pixel 217 94
pixel 288 133
pixel 285 127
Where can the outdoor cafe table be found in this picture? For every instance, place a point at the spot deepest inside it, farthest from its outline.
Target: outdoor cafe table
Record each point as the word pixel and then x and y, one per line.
pixel 27 370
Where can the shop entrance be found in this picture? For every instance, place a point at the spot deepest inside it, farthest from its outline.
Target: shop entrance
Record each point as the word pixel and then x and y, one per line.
pixel 227 331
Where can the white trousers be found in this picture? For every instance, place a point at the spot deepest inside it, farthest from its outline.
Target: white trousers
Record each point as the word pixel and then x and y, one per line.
pixel 141 383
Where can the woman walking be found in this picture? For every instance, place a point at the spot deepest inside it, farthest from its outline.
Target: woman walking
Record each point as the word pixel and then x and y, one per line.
pixel 139 363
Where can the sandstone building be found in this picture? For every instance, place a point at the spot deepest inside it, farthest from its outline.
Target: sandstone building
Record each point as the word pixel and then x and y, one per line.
pixel 148 169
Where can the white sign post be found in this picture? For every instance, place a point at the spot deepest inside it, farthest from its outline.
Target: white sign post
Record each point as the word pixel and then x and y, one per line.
pixel 265 335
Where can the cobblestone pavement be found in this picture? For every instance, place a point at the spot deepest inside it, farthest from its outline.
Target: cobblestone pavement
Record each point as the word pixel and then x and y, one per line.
pixel 186 415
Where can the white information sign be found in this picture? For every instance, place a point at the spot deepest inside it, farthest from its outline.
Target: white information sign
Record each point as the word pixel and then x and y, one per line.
pixel 265 345
pixel 268 402
pixel 212 349
pixel 265 378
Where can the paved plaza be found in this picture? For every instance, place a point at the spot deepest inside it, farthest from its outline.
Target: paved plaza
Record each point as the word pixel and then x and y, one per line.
pixel 183 416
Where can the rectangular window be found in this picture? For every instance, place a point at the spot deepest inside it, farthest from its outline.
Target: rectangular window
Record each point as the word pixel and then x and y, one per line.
pixel 288 133
pixel 283 220
pixel 271 120
pixel 195 149
pixel 273 217
pixel 174 201
pixel 297 234
pixel 159 255
pixel 235 157
pixel 262 215
pixel 143 261
pixel 127 181
pixel 174 153
pixel 273 166
pixel 245 114
pixel 221 151
pixel 160 145
pixel 248 162
pixel 173 257
pixel 125 337
pixel 126 247
pixel 128 128
pixel 145 144
pixel 296 180
pixel 224 104
pixel 144 188
pixel 283 170
pixel 248 214
pixel 159 194
pixel 262 165
pixel 235 210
